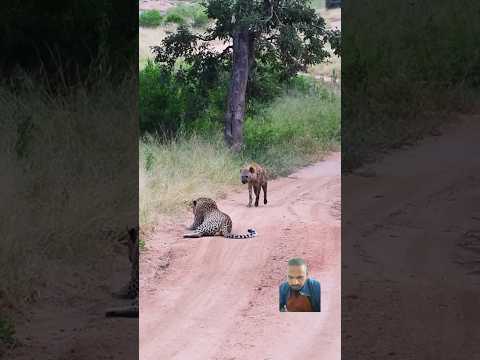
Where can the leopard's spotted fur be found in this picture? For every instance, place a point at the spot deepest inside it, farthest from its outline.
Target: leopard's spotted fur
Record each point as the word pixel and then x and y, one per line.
pixel 130 291
pixel 210 221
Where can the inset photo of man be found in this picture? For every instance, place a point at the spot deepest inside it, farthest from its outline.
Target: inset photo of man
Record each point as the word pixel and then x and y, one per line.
pixel 300 293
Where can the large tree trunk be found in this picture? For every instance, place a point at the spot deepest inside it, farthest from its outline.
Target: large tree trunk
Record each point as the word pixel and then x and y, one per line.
pixel 243 45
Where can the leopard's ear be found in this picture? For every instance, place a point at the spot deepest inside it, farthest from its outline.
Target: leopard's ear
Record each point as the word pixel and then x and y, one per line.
pixel 252 169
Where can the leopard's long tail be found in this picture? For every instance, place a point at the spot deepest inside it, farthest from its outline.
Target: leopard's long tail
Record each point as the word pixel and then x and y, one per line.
pixel 251 233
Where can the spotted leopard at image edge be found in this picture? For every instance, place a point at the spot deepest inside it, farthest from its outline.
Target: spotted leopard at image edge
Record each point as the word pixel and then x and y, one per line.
pixel 130 291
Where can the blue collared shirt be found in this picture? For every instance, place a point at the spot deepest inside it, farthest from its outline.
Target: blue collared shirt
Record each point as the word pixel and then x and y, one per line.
pixel 311 288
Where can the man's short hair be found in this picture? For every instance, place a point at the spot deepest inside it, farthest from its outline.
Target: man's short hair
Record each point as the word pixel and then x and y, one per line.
pixel 297 262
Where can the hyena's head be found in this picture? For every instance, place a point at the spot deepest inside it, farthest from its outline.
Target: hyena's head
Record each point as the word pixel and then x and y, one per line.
pixel 247 174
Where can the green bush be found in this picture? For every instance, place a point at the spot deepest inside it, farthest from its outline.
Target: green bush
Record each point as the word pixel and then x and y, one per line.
pixel 265 85
pixel 183 13
pixel 200 19
pixel 293 130
pixel 150 18
pixel 186 10
pixel 175 18
pixel 171 100
pixel 162 101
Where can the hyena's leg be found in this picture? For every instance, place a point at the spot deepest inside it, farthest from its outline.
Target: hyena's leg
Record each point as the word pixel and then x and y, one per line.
pixel 264 187
pixel 257 194
pixel 250 198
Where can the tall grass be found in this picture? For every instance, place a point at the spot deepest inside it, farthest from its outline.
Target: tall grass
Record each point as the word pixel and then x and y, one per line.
pixel 177 170
pixel 292 131
pixel 63 156
pixel 404 61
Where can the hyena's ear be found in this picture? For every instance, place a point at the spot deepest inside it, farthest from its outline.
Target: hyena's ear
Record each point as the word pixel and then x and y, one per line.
pixel 252 169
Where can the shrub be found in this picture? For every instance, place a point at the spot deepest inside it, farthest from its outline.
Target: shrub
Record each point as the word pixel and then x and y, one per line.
pixel 162 101
pixel 174 18
pixel 194 13
pixel 200 19
pixel 293 130
pixel 171 99
pixel 150 18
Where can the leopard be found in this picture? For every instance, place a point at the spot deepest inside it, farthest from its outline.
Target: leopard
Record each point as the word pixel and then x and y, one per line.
pixel 257 178
pixel 130 291
pixel 210 221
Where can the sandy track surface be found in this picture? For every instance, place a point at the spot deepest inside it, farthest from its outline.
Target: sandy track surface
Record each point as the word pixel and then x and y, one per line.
pixel 160 5
pixel 217 299
pixel 69 323
pixel 412 223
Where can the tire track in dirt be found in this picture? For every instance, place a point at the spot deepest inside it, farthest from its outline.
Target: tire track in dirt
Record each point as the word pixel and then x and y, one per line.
pixel 416 216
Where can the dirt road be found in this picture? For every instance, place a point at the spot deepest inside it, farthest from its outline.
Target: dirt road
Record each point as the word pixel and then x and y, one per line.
pixel 411 245
pixel 217 299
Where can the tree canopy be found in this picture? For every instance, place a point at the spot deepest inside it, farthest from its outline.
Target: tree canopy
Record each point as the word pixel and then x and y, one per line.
pixel 288 36
pixel 276 36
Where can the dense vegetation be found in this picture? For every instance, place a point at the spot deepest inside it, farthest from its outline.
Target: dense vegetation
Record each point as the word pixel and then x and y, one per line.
pixel 45 36
pixel 193 14
pixel 68 135
pixel 290 120
pixel 264 39
pixel 150 18
pixel 288 125
pixel 406 64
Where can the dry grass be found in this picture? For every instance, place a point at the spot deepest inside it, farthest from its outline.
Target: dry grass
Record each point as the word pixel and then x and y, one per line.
pixel 63 159
pixel 151 37
pixel 331 70
pixel 179 170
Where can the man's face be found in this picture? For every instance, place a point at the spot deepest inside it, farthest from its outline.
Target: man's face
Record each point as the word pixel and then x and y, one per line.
pixel 296 276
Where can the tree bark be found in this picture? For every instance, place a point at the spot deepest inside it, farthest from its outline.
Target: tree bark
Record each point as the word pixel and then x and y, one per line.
pixel 243 45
